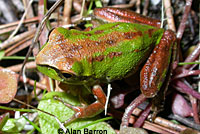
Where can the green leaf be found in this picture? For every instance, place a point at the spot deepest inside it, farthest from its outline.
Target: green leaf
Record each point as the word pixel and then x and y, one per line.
pixel 3 119
pixel 14 125
pixel 50 125
pixel 187 63
pixel 2 53
pixel 16 58
pixel 17 109
pixel 98 3
pixel 33 124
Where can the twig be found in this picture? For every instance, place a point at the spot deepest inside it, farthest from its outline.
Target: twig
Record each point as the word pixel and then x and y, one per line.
pixel 135 103
pixel 27 21
pixel 132 1
pixel 170 18
pixel 33 107
pixel 159 129
pixel 21 21
pixel 32 82
pixel 42 9
pixel 21 47
pixel 7 11
pixel 142 117
pixel 169 124
pixel 145 10
pixel 18 44
pixel 138 6
pixel 82 9
pixel 17 68
pixel 185 72
pixel 162 14
pixel 193 56
pixel 67 12
pixel 77 5
pixel 185 121
pixel 184 88
pixel 123 5
pixel 182 25
pixel 195 109
pixel 29 13
pixel 18 37
pixel 6 30
pixel 191 24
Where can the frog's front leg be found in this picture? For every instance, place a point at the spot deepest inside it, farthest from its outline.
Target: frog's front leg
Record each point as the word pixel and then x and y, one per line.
pixel 154 72
pixel 90 110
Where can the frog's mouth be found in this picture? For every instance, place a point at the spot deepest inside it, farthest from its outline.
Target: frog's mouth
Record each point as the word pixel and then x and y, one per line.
pixel 64 76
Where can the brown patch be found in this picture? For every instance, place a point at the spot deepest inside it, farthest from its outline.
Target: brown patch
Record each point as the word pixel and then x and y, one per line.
pixel 90 59
pixel 114 54
pixel 76 33
pixel 136 50
pixel 88 34
pixel 116 26
pixel 150 31
pixel 110 42
pixel 131 35
pixel 98 32
pixel 88 29
pixel 102 57
pixel 98 58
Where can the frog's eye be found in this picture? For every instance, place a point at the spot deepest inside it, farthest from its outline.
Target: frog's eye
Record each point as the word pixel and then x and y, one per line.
pixel 66 75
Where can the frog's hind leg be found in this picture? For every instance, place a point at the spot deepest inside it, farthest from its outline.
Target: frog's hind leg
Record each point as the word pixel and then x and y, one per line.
pixel 124 15
pixel 90 110
pixel 154 73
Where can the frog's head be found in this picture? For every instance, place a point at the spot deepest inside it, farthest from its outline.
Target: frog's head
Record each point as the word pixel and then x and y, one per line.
pixel 57 57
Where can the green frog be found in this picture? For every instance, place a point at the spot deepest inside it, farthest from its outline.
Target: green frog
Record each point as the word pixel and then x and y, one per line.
pixel 109 52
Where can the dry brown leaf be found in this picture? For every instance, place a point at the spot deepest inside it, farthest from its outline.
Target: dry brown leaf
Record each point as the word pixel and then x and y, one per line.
pixel 8 85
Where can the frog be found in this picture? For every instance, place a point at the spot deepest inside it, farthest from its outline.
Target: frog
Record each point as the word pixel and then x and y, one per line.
pixel 112 51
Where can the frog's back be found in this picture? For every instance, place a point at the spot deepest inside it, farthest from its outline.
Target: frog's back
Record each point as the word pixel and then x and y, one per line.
pixel 109 51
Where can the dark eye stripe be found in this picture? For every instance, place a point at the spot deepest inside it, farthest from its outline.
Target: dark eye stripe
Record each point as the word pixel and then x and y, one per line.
pixel 66 75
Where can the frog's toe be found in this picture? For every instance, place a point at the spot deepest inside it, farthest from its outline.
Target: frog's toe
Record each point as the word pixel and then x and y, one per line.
pixel 134 104
pixel 65 103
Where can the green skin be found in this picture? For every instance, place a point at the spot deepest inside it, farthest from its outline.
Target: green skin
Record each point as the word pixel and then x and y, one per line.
pixel 114 61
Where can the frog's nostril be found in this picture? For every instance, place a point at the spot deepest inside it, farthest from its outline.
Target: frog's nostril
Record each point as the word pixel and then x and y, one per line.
pixel 66 75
